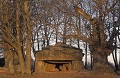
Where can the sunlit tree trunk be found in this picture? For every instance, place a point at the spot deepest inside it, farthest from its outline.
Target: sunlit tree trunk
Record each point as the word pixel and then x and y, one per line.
pixel 19 49
pixel 28 48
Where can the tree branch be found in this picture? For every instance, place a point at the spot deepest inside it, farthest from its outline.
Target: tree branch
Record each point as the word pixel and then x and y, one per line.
pixel 83 13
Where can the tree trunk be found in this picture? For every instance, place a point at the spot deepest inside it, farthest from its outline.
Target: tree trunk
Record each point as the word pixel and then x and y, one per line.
pixel 64 34
pixel 56 37
pixel 38 41
pixel 100 61
pixel 86 55
pixel 101 25
pixel 28 50
pixel 6 54
pixel 11 65
pixel 19 49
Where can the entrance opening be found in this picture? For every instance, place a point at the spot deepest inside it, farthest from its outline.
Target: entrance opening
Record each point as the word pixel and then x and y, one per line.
pixel 2 59
pixel 57 65
pixel 2 62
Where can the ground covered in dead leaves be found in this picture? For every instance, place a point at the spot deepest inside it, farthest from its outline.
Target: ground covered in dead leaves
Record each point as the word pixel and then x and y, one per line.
pixel 83 74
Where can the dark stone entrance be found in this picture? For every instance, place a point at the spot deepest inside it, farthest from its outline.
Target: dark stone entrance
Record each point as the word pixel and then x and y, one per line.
pixel 60 65
pixel 2 62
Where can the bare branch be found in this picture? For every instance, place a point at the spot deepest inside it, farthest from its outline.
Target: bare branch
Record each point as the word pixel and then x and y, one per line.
pixel 83 13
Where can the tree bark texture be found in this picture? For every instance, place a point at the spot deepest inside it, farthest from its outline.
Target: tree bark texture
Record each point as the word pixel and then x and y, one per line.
pixel 19 49
pixel 28 49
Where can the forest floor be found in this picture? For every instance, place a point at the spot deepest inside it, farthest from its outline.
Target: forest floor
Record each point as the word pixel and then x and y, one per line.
pixel 82 74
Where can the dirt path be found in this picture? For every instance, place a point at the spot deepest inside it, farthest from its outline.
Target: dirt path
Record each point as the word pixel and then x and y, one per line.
pixel 85 74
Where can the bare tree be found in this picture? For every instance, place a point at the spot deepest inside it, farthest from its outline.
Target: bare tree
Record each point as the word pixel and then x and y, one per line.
pixel 98 46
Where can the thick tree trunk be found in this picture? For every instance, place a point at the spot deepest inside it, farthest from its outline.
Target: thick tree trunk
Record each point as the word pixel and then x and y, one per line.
pixel 101 25
pixel 100 61
pixel 19 49
pixel 28 50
